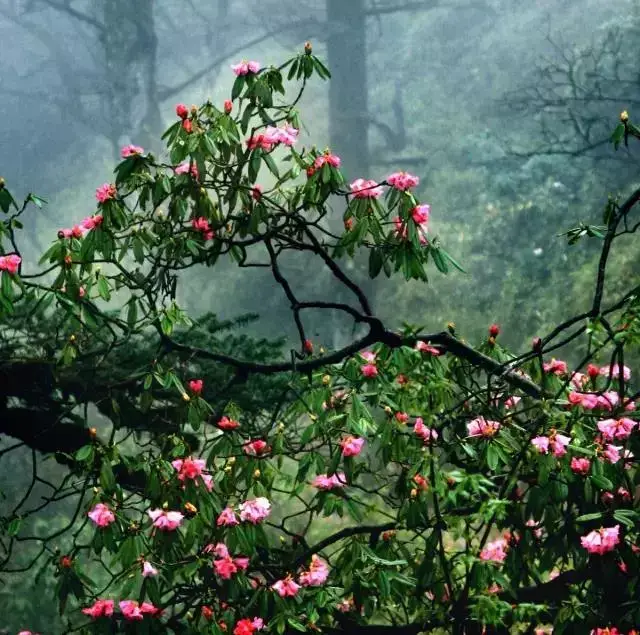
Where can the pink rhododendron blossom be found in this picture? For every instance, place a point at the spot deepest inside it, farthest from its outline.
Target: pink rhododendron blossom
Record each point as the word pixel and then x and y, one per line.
pixel 481 427
pixel 247 626
pixel 428 435
pixel 317 574
pixel 608 400
pixel 272 136
pixel 609 630
pixel 193 469
pixel 351 446
pixel 255 510
pixel 555 366
pixel 186 168
pixel 512 402
pixel 423 347
pixel 196 386
pixel 578 380
pixel 588 401
pixel 165 520
pixel 10 263
pixel 402 180
pixel 255 448
pixel 227 518
pixel 330 159
pixel 227 424
pixel 559 444
pixel 324 482
pixel 241 562
pixel 601 541
pixel 580 465
pixel 364 188
pixel 225 567
pixel 541 444
pixel 182 111
pixel 612 453
pixel 101 515
pixel 148 570
pixel 106 192
pixel 132 611
pixel 402 231
pixel 91 222
pixel 245 67
pixel 401 417
pixel 100 608
pixel 131 151
pixel 495 551
pixel 369 370
pixel 202 225
pixel 614 371
pixel 616 428
pixel 286 588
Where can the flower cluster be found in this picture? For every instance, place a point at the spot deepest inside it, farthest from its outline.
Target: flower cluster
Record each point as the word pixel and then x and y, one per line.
pixel 193 469
pixel 10 263
pixel 273 136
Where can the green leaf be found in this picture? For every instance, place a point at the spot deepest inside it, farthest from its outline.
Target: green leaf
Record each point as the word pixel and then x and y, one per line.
pixel 601 481
pixel 589 517
pixel 14 526
pixel 107 478
pixel 103 288
pixel 84 453
pixel 238 85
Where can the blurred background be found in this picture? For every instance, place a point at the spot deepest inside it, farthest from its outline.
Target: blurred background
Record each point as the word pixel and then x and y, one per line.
pixel 503 108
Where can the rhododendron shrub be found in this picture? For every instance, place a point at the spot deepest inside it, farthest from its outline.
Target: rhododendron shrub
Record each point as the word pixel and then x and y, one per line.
pixel 405 483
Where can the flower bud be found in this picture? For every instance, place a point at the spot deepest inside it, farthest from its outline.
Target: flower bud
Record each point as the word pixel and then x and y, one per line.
pixel 308 49
pixel 187 126
pixel 414 492
pixel 624 116
pixel 181 111
pixel 186 397
pixel 256 474
pixel 2 182
pixel 388 411
pixel 93 433
pixel 228 106
pixel 190 510
pixel 194 110
pixel 451 327
pixel 232 460
pixel 68 261
pixel 536 344
pixel 66 562
pixel 165 506
pixel 494 330
pixel 326 379
pixel 308 346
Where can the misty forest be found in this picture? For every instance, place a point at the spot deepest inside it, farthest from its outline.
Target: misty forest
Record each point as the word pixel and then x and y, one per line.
pixel 319 317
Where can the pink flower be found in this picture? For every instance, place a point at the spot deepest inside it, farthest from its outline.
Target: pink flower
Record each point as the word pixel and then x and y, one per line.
pixel 182 111
pixel 616 428
pixel 559 444
pixel 256 192
pixel 185 168
pixel 602 540
pixel 165 520
pixel 101 608
pixel 614 371
pixel 578 380
pixel 148 570
pixel 555 366
pixel 402 231
pixel 272 136
pixel 247 626
pixel 241 562
pixel 369 370
pixel 327 157
pixel 541 444
pixel 423 347
pixel 244 68
pixel 255 448
pixel 612 453
pixel 580 465
pixel 228 106
pixel 351 446
pixel 495 551
pixel 189 468
pixel 10 263
pixel 202 225
pixel 363 188
pixel 317 574
pixel 225 567
pixel 402 417
pixel 91 222
pixel 106 192
pixel 196 386
pixel 101 515
pixel 227 424
pixel 420 214
pixel 286 588
pixel 255 510
pixel 131 151
pixel 512 402
pixel 227 518
pixel 132 611
pixel 324 482
pixel 428 435
pixel 589 401
pixel 608 400
pixel 402 180
pixel 481 427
